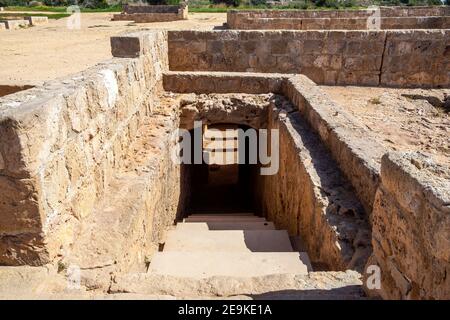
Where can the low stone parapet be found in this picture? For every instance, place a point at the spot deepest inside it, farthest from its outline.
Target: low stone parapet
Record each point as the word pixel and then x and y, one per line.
pixel 34 20
pixel 386 23
pixel 389 18
pixel 223 82
pixel 81 128
pixel 233 16
pixel 152 13
pixel 16 24
pixel 332 57
pixel 147 17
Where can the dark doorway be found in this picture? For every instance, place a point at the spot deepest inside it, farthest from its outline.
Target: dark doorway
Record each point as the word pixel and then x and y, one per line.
pixel 222 188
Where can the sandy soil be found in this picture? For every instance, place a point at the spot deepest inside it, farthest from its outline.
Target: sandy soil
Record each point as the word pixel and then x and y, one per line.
pixel 401 119
pixel 31 56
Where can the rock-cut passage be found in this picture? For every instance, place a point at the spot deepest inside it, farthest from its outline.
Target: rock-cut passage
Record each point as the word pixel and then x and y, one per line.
pixel 239 223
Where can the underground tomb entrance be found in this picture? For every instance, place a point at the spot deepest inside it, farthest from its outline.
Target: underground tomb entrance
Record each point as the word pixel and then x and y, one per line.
pixel 223 174
pixel 308 195
pixel 222 183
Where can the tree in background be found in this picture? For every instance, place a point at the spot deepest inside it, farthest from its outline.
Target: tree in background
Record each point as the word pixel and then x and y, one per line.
pixel 234 3
pixel 162 2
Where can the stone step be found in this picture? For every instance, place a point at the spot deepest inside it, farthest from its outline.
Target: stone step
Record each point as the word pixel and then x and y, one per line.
pixel 216 134
pixel 229 225
pixel 219 145
pixel 228 241
pixel 224 219
pixel 243 214
pixel 321 285
pixel 240 264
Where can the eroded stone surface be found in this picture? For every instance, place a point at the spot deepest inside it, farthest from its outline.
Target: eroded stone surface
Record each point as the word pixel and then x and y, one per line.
pixel 241 108
pixel 314 284
pixel 153 13
pixel 61 146
pixel 389 18
pixel 382 57
pixel 411 227
pixel 89 183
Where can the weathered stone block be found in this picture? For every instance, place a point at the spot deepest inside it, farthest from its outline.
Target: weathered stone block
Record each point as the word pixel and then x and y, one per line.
pixel 312 46
pixel 16 24
pixel 152 13
pixel 126 47
pixel 36 20
pixel 57 157
pixel 411 228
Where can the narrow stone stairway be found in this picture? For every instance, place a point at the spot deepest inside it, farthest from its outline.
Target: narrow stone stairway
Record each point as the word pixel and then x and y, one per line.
pixel 238 245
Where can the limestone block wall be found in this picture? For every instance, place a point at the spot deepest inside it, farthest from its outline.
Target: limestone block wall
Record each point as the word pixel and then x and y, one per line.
pixel 223 82
pixel 153 13
pixel 310 197
pixel 411 228
pixel 416 57
pixel 423 11
pixel 326 57
pixel 63 143
pixel 435 17
pixel 233 16
pixel 357 154
pixel 352 23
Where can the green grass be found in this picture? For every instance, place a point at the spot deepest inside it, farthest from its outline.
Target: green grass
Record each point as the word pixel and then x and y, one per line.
pixel 117 8
pixel 55 16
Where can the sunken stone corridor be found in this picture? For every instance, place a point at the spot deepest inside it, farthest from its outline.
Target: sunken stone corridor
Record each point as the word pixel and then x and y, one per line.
pixel 94 202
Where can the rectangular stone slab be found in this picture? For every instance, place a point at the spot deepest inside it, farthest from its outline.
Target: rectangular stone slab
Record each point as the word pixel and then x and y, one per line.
pixel 209 264
pixel 224 219
pixel 16 24
pixel 232 225
pixel 36 20
pixel 228 241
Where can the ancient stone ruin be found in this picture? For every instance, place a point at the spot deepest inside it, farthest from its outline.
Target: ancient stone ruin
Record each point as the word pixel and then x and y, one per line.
pixel 368 19
pixel 13 24
pixel 91 194
pixel 152 13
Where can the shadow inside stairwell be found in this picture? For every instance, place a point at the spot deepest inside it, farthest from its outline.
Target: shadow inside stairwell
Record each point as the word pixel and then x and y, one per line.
pixel 254 243
pixel 221 188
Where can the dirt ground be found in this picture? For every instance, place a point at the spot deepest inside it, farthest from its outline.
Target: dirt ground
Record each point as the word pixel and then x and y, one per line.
pixel 401 119
pixel 33 55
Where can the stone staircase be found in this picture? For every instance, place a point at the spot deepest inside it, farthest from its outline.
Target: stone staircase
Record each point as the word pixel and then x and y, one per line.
pixel 207 256
pixel 236 245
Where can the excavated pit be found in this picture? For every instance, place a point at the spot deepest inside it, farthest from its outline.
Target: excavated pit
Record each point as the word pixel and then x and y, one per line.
pixel 307 182
pixel 221 186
